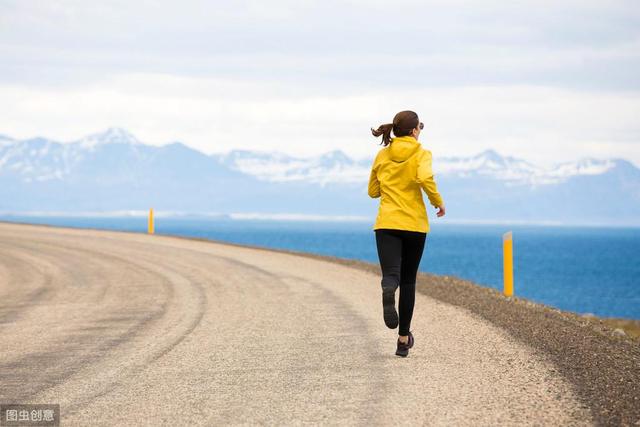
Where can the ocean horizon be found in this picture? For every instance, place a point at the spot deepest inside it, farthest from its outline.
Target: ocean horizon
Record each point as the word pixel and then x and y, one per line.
pixel 586 269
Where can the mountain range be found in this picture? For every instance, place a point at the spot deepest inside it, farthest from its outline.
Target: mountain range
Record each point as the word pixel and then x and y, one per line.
pixel 114 171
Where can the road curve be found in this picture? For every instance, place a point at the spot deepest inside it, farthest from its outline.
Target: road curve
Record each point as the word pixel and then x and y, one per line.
pixel 131 329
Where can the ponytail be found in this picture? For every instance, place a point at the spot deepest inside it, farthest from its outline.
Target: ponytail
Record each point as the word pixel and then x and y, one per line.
pixel 403 123
pixel 385 131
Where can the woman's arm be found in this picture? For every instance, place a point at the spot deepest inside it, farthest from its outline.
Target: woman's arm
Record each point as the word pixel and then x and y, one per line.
pixel 374 184
pixel 424 177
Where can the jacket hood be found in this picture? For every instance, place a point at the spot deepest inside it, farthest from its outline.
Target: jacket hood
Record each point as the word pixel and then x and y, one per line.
pixel 403 147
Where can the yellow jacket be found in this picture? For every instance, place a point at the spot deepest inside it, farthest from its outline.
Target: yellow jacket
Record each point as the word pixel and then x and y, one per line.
pixel 399 172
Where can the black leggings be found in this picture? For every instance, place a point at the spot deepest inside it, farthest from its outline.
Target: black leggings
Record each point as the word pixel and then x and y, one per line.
pixel 400 252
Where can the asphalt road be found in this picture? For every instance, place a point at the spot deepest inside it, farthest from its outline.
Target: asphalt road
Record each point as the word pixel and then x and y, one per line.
pixel 131 329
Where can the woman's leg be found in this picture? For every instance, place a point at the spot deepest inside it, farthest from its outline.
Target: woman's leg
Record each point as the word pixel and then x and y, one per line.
pixel 389 244
pixel 412 249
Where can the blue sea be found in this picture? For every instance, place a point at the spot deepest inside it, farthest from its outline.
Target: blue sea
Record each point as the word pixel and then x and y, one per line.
pixel 581 269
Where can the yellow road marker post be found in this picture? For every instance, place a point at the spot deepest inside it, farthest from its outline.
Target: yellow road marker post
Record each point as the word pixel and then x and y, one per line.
pixel 151 221
pixel 507 249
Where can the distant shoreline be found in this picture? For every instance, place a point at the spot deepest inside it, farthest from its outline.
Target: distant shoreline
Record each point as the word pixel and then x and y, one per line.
pixel 257 216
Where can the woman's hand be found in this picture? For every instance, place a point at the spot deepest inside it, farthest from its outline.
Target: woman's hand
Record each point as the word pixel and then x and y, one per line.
pixel 441 211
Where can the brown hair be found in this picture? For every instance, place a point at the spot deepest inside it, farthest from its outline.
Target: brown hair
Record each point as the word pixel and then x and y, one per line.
pixel 403 123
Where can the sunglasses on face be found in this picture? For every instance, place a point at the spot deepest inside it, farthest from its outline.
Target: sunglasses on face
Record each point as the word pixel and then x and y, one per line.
pixel 421 125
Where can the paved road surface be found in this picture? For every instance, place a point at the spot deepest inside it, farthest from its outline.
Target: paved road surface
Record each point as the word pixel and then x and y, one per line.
pixel 131 329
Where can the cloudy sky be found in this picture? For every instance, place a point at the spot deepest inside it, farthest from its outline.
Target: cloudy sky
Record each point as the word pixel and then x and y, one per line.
pixel 545 80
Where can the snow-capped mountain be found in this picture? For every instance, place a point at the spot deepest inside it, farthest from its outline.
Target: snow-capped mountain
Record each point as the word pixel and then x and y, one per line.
pixel 518 171
pixel 488 163
pixel 113 170
pixel 334 166
pixel 110 136
pixel 41 159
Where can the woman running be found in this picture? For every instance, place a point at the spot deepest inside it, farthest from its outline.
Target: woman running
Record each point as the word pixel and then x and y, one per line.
pixel 399 172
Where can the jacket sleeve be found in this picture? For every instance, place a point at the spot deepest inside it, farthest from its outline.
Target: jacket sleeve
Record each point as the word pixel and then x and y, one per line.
pixel 424 177
pixel 374 184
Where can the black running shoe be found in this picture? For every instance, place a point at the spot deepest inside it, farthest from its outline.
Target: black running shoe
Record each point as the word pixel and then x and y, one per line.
pixel 389 307
pixel 410 339
pixel 403 349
